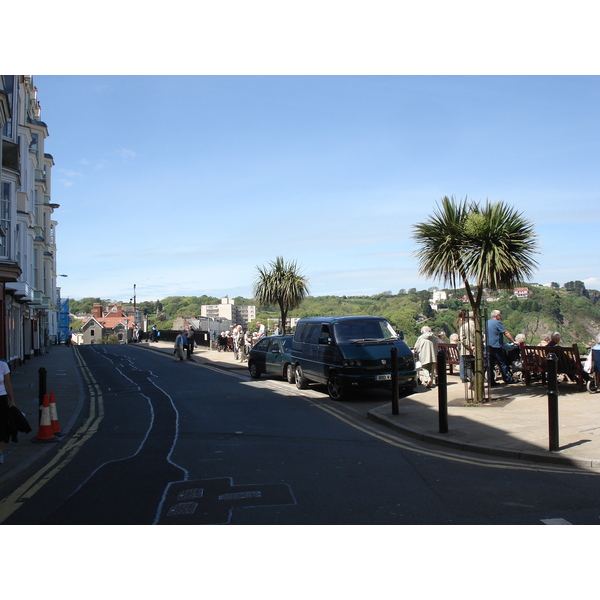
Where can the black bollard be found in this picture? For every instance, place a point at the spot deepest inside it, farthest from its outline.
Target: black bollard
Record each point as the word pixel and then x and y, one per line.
pixel 442 392
pixel 551 368
pixel 394 353
pixel 41 388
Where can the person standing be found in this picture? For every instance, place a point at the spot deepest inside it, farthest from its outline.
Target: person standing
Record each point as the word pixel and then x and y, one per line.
pixel 262 331
pixel 495 332
pixel 184 342
pixel 426 348
pixel 247 342
pixel 466 334
pixel 190 343
pixel 6 400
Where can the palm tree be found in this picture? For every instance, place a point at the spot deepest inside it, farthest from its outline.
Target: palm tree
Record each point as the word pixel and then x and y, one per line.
pixel 282 284
pixel 484 247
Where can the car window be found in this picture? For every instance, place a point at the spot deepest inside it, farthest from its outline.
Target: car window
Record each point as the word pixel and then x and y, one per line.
pixel 262 345
pixel 274 347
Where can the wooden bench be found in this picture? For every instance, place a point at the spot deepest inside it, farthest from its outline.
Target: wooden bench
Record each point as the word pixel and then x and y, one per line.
pixel 568 362
pixel 452 355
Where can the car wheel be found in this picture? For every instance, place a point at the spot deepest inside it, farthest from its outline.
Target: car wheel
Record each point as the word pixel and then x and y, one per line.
pixel 301 381
pixel 254 372
pixel 289 373
pixel 334 387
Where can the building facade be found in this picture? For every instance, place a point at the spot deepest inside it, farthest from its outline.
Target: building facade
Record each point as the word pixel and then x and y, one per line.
pixel 114 321
pixel 28 292
pixel 228 310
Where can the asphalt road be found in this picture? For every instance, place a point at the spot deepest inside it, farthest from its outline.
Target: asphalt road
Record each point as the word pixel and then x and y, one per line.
pixel 179 443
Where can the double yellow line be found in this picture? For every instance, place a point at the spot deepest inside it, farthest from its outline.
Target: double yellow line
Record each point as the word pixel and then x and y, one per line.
pixel 66 452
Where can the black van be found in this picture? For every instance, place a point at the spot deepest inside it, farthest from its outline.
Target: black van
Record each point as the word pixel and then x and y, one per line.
pixel 349 352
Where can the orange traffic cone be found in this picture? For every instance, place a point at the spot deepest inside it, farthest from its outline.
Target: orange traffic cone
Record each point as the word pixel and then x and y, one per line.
pixel 54 416
pixel 45 433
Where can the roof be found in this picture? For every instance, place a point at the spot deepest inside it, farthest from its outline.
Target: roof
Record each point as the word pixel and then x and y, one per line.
pixel 111 321
pixel 333 319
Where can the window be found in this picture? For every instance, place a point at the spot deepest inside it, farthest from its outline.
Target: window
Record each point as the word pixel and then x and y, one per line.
pixel 9 82
pixel 262 345
pixel 5 199
pixel 33 146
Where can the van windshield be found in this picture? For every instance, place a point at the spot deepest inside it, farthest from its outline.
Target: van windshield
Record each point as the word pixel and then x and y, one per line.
pixel 363 330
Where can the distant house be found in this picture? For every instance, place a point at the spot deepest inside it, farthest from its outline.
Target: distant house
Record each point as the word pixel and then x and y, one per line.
pixel 437 297
pixel 102 324
pixel 522 293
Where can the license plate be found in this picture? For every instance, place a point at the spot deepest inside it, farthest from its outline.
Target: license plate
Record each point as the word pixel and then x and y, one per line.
pixel 386 377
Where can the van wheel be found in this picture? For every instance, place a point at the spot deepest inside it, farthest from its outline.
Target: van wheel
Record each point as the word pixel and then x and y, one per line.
pixel 289 373
pixel 254 372
pixel 334 387
pixel 301 381
pixel 404 391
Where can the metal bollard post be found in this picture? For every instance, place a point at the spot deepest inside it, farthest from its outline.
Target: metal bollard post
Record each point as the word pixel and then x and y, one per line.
pixel 442 392
pixel 394 353
pixel 41 389
pixel 551 367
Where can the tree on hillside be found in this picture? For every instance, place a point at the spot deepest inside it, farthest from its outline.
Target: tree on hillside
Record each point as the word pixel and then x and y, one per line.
pixel 281 285
pixel 578 287
pixel 490 246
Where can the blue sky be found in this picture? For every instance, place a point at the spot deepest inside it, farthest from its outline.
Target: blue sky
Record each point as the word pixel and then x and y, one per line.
pixel 183 185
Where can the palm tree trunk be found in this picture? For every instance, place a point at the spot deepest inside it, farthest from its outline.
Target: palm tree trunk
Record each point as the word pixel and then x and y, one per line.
pixel 479 364
pixel 283 317
pixel 479 367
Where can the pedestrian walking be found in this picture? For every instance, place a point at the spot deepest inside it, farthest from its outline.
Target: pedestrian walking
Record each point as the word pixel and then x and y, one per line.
pixel 426 349
pixel 178 348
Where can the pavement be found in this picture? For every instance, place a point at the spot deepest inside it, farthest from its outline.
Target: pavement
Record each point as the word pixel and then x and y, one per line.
pixel 512 424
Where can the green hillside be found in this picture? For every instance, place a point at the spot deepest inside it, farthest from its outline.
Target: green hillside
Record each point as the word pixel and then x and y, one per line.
pixel 571 310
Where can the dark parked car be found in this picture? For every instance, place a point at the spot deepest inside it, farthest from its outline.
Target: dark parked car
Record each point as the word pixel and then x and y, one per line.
pixel 272 355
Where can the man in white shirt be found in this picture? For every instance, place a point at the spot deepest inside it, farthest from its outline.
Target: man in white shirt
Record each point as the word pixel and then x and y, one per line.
pixel 262 330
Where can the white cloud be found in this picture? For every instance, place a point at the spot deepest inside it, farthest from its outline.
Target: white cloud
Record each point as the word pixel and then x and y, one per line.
pixel 125 153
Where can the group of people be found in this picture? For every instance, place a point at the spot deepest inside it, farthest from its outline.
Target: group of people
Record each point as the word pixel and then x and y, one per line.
pixel 184 345
pixel 495 338
pixel 242 341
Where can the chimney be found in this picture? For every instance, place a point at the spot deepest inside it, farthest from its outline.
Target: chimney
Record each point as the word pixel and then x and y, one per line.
pixel 97 311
